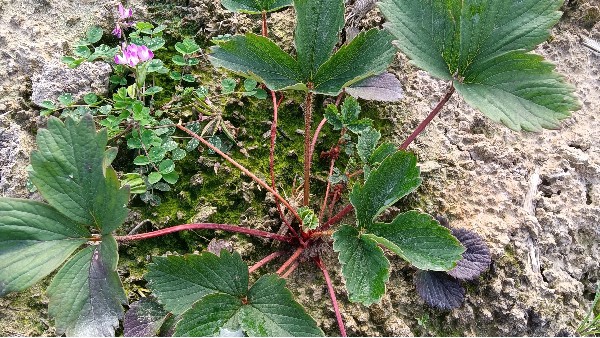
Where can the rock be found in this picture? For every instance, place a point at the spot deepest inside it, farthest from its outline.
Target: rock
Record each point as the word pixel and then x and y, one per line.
pixel 56 78
pixel 15 146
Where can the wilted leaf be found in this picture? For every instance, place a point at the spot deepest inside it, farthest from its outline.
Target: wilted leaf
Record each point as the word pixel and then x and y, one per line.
pixel 383 87
pixel 439 290
pixel 144 318
pixel 475 260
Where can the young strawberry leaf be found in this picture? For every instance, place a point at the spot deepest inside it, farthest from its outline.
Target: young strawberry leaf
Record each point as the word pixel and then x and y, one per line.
pixel 86 295
pixel 258 58
pixel 397 176
pixel 144 318
pixel 213 296
pixel 383 87
pixel 367 141
pixel 370 53
pixel 180 281
pixel 439 290
pixel 365 268
pixel 318 25
pixel 255 6
pixel 68 170
pixel 420 240
pixel 482 45
pixel 476 258
pixel 35 239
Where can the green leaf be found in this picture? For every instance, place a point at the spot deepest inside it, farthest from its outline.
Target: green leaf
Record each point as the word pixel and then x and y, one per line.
pixel 228 85
pixel 188 78
pixel 71 61
pixel 370 53
pixel 90 98
pixel 420 240
pixel 255 6
pixel 250 85
pixel 179 60
pixel 166 166
pixel 156 66
pixel 93 34
pixel 188 46
pixel 367 141
pixel 364 267
pixel 82 51
pixel 48 105
pixel 144 319
pixel 397 176
pixel 156 153
pixel 310 221
pixel 153 90
pixel 260 94
pixel 209 315
pixel 318 24
pixel 178 154
pixel 35 239
pixel 154 177
pixel 482 45
pixel 175 75
pixel 69 173
pixel 258 58
pixel 86 295
pixel 171 177
pixel 382 152
pixel 273 312
pixel 180 281
pixel 66 99
pixel 135 182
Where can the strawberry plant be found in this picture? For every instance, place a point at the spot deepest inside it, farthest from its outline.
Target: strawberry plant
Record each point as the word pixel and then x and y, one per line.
pixel 481 47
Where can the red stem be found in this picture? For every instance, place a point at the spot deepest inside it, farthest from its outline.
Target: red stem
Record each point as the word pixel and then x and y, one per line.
pixel 316 136
pixel 209 226
pixel 338 100
pixel 264 24
pixel 264 261
pixel 326 198
pixel 307 151
pixel 272 161
pixel 336 308
pixel 291 269
pixel 290 260
pixel 428 119
pixel 242 168
pixel 340 215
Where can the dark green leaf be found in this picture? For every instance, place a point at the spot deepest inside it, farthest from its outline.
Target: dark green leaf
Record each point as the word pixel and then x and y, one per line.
pixel 90 98
pixel 166 166
pixel 188 78
pixel 255 6
pixel 273 312
pixel 144 318
pixel 35 239
pixel 382 152
pixel 333 117
pixel 179 60
pixel 370 53
pixel 156 65
pixel 69 173
pixel 180 281
pixel 86 295
pixel 318 25
pixel 420 240
pixel 258 58
pixel 171 177
pixel 365 268
pixel 178 154
pixel 156 154
pixel 175 75
pixel 481 45
pixel 260 94
pixel 367 141
pixel 188 46
pixel 154 43
pixel 397 176
pixel 250 85
pixel 209 315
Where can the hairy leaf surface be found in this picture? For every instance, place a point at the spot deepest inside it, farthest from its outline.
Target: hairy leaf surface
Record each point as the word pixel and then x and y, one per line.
pixel 482 45
pixel 255 6
pixel 439 290
pixel 86 295
pixel 68 170
pixel 420 240
pixel 364 267
pixel 383 87
pixel 258 58
pixel 180 281
pixel 208 315
pixel 35 239
pixel 144 318
pixel 476 258
pixel 318 24
pixel 397 176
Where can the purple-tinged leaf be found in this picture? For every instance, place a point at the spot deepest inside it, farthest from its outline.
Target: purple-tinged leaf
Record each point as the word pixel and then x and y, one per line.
pixel 383 87
pixel 439 290
pixel 144 318
pixel 476 259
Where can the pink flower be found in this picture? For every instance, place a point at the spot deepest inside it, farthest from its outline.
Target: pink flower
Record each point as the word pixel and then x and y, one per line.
pixel 117 31
pixel 124 13
pixel 133 55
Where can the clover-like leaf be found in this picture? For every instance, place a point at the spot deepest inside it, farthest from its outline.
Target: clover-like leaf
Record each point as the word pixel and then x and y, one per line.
pixel 397 176
pixel 364 267
pixel 68 170
pixel 35 239
pixel 383 87
pixel 482 45
pixel 420 240
pixel 439 290
pixel 144 318
pixel 86 295
pixel 180 281
pixel 255 6
pixel 475 260
pixel 367 141
pixel 187 46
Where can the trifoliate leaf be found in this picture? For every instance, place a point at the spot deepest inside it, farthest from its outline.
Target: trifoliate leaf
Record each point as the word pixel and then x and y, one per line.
pixel 86 295
pixel 180 281
pixel 68 171
pixel 368 54
pixel 439 290
pixel 383 87
pixel 420 240
pixel 255 6
pixel 310 221
pixel 397 176
pixel 258 58
pixel 364 267
pixel 188 46
pixel 144 318
pixel 475 260
pixel 319 23
pixel 208 315
pixel 273 312
pixel 367 141
pixel 482 45
pixel 35 239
